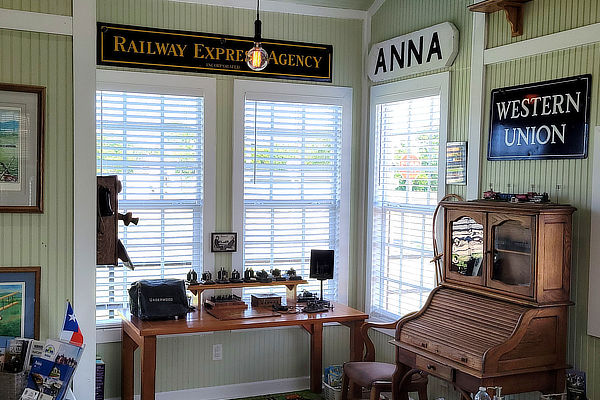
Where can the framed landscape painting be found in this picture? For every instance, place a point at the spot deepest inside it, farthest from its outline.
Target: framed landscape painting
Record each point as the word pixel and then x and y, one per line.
pixel 22 111
pixel 19 302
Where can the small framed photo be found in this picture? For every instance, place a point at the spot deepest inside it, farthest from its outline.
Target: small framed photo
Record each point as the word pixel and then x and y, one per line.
pixel 19 303
pixel 22 112
pixel 456 163
pixel 223 242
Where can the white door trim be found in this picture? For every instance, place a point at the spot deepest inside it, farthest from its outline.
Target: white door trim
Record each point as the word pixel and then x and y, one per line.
pixel 477 102
pixel 84 189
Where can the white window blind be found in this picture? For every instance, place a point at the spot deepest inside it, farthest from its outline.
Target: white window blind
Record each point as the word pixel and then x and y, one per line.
pixel 292 187
pixel 154 143
pixel 405 195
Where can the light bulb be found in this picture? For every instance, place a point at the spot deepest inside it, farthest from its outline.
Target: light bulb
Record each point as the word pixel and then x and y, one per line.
pixel 257 58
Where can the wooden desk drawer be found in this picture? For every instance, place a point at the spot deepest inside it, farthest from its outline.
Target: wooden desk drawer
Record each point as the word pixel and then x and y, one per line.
pixel 435 368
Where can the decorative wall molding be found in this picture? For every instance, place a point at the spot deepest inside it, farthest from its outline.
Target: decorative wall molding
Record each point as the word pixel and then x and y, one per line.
pixel 544 44
pixel 287 8
pixel 36 22
pixel 477 102
pixel 235 391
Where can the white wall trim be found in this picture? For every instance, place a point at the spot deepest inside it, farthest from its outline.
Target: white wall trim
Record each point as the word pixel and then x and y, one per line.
pixel 36 22
pixel 557 41
pixel 428 85
pixel 284 7
pixel 477 103
pixel 298 93
pixel 84 189
pixel 235 391
pixel 593 326
pixel 372 10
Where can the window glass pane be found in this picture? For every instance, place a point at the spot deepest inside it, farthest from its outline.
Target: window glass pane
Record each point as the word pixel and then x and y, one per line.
pixel 292 159
pixel 404 199
pixel 154 143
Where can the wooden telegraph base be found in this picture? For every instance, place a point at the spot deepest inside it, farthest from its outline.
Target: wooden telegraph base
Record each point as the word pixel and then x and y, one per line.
pixel 291 294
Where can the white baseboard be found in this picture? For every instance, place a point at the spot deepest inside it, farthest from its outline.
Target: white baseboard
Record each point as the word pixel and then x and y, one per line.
pixel 235 391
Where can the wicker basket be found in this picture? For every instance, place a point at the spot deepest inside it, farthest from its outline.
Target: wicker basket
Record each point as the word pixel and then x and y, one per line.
pixel 12 384
pixel 331 393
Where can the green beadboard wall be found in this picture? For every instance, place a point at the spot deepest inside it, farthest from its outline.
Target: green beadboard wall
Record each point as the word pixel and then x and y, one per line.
pixel 542 17
pixel 59 7
pixel 46 239
pixel 255 355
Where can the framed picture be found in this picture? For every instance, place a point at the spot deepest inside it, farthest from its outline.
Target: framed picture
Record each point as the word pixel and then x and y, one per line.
pixel 22 112
pixel 223 241
pixel 456 163
pixel 19 302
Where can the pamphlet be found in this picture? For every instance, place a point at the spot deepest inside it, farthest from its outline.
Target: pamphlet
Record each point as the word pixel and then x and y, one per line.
pixel 52 371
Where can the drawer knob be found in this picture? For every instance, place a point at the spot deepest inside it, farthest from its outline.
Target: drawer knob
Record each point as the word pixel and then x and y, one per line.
pixel 431 367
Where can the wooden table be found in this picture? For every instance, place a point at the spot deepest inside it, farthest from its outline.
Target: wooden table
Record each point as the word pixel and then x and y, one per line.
pixel 142 334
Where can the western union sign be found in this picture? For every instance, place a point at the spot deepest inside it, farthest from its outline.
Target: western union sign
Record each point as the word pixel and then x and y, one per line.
pixel 139 47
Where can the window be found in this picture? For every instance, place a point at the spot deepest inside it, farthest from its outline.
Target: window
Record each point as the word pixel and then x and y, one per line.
pixel 155 143
pixel 408 140
pixel 293 159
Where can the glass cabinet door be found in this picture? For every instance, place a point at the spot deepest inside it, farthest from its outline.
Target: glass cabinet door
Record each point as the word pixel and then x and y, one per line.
pixel 467 247
pixel 512 253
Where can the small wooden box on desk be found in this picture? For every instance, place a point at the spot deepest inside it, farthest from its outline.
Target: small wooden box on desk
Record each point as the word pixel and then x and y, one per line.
pixel 500 316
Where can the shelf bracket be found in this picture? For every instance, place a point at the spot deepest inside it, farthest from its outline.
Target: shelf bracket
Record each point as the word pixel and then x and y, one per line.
pixel 514 16
pixel 513 10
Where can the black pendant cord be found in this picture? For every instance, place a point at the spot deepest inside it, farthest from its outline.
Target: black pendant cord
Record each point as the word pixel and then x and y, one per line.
pixel 257 24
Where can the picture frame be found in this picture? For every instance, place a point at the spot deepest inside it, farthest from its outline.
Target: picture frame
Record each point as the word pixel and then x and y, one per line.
pixel 456 163
pixel 19 302
pixel 22 126
pixel 223 242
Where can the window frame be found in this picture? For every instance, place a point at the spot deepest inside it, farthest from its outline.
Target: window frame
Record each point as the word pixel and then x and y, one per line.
pixel 183 85
pixel 296 93
pixel 429 85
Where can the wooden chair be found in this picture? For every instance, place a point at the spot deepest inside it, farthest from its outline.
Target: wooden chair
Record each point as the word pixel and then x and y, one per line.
pixel 377 376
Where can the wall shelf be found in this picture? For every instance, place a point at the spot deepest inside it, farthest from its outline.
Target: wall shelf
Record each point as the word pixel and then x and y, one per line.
pixel 512 8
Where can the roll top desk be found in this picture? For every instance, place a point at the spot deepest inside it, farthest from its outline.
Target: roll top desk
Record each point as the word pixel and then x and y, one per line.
pixel 499 318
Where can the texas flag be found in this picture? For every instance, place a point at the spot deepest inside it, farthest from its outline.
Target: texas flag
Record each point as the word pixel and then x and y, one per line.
pixel 71 332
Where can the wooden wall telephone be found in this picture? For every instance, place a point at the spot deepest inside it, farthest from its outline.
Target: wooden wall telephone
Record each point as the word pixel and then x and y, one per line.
pixel 109 248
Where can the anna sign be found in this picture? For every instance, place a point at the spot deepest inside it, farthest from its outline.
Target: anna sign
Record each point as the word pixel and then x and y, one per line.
pixel 140 47
pixel 546 120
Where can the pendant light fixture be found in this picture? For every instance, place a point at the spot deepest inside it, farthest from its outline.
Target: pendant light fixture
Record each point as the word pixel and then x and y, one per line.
pixel 257 58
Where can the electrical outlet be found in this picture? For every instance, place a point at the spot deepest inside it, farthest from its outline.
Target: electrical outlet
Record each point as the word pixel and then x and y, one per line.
pixel 217 352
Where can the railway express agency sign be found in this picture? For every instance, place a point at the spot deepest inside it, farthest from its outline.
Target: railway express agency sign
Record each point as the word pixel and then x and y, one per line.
pixel 142 47
pixel 421 51
pixel 546 120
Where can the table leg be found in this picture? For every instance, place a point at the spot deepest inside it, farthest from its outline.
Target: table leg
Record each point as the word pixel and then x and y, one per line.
pixel 128 347
pixel 316 357
pixel 148 362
